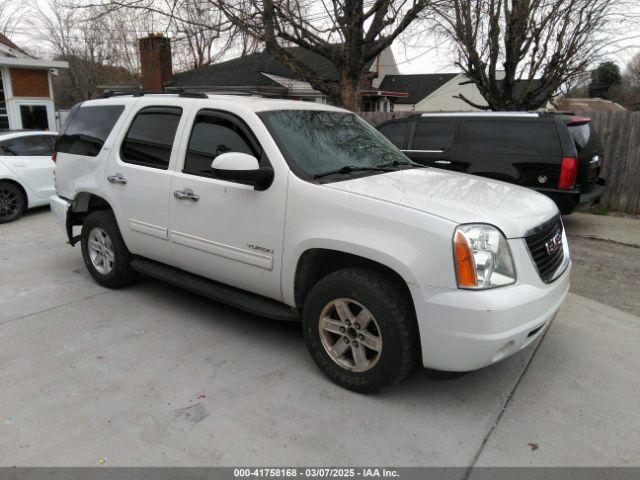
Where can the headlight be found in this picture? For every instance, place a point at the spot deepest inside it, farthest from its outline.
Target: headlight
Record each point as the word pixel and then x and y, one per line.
pixel 482 257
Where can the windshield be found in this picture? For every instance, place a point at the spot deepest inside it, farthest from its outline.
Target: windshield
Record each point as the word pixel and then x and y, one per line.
pixel 315 142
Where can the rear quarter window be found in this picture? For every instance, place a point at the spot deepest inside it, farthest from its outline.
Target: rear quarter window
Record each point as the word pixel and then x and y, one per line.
pixel 585 138
pixel 88 129
pixel 511 138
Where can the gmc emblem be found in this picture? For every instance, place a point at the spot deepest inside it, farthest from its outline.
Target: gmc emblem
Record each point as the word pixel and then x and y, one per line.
pixel 554 244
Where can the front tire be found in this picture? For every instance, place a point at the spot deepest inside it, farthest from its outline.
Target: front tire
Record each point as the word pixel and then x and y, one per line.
pixel 104 252
pixel 13 202
pixel 360 329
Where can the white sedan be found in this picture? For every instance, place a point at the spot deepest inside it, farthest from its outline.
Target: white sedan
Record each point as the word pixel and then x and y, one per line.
pixel 26 171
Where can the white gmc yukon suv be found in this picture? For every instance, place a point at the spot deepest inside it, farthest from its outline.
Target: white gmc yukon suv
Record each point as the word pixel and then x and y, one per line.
pixel 293 210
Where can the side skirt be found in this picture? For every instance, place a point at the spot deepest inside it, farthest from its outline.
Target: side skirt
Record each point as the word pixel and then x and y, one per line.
pixel 241 299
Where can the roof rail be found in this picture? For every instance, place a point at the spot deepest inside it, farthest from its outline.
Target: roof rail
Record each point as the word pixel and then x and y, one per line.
pixel 481 114
pixel 141 93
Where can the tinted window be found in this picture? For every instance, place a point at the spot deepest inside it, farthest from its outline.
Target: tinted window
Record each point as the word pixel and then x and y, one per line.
pixel 586 139
pixel 150 137
pixel 395 132
pixel 512 138
pixel 87 129
pixel 212 135
pixel 34 145
pixel 433 135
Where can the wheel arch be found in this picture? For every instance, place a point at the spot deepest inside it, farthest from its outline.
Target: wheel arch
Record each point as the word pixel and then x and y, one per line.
pixel 315 263
pixel 83 204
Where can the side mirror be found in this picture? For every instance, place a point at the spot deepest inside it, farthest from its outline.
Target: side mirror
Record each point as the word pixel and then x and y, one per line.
pixel 242 168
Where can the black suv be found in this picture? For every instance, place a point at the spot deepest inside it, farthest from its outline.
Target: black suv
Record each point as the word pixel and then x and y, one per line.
pixel 558 155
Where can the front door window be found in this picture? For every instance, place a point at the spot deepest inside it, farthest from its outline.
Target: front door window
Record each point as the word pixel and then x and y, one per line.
pixel 34 117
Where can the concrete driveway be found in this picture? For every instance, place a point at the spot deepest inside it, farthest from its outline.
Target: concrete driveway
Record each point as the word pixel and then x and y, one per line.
pixel 152 375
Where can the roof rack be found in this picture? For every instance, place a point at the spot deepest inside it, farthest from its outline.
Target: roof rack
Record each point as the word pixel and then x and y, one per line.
pixel 141 93
pixel 481 114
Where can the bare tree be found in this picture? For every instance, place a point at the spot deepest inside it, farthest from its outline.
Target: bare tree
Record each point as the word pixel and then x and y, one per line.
pixel 519 52
pixel 346 33
pixel 195 45
pixel 633 73
pixel 11 13
pixel 98 50
pixel 199 31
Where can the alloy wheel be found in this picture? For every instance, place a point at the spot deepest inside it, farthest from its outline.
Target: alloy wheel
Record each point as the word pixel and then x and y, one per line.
pixel 9 202
pixel 350 335
pixel 101 250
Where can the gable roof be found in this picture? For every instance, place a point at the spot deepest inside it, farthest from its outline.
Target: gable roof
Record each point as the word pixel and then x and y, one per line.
pixel 418 86
pixel 248 71
pixel 7 42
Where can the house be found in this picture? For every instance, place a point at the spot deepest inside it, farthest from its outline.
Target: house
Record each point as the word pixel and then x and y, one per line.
pixel 258 73
pixel 26 95
pixel 435 92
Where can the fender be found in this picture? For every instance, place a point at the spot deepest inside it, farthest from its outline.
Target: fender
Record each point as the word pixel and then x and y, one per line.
pixel 291 262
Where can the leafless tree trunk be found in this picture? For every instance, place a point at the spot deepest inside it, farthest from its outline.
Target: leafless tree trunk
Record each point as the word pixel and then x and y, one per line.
pixel 519 52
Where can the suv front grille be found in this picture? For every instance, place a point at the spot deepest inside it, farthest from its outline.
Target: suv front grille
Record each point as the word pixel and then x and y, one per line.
pixel 547 252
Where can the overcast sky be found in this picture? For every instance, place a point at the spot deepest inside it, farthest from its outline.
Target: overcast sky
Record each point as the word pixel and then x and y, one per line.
pixel 429 55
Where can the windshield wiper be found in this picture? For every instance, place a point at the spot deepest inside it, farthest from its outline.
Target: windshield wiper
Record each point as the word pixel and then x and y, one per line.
pixel 398 163
pixel 351 168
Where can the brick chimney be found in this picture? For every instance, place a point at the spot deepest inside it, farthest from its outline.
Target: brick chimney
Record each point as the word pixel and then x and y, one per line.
pixel 155 61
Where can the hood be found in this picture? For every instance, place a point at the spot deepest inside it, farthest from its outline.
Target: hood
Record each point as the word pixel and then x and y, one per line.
pixel 458 197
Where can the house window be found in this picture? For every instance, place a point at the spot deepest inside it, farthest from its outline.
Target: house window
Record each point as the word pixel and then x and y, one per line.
pixel 4 117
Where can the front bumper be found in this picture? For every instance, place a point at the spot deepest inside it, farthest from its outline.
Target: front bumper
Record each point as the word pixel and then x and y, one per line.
pixel 463 330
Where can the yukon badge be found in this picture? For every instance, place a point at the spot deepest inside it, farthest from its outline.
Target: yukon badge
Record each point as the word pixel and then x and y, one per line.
pixel 554 244
pixel 260 249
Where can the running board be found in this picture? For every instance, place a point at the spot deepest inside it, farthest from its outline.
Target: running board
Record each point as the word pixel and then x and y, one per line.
pixel 249 302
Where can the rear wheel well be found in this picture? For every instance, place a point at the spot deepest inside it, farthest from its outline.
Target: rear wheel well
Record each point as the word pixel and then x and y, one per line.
pixel 317 263
pixel 83 204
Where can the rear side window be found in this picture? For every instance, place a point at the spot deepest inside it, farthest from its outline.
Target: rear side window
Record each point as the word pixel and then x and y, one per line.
pixel 437 136
pixel 87 129
pixel 31 146
pixel 512 138
pixel 395 132
pixel 212 135
pixel 150 137
pixel 581 135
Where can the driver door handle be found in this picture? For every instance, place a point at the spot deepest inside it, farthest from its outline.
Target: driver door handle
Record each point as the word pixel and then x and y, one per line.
pixel 186 194
pixel 117 178
pixel 443 162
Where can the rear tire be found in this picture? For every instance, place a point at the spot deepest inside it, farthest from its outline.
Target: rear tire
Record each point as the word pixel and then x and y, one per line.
pixel 13 202
pixel 104 252
pixel 360 329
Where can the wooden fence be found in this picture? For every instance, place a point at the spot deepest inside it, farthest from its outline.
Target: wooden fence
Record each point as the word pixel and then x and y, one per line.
pixel 620 135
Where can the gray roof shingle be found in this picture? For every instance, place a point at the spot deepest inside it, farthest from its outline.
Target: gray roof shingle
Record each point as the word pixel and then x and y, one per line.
pixel 247 71
pixel 418 86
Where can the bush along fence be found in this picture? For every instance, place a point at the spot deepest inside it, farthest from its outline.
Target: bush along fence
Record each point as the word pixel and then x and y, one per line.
pixel 620 135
